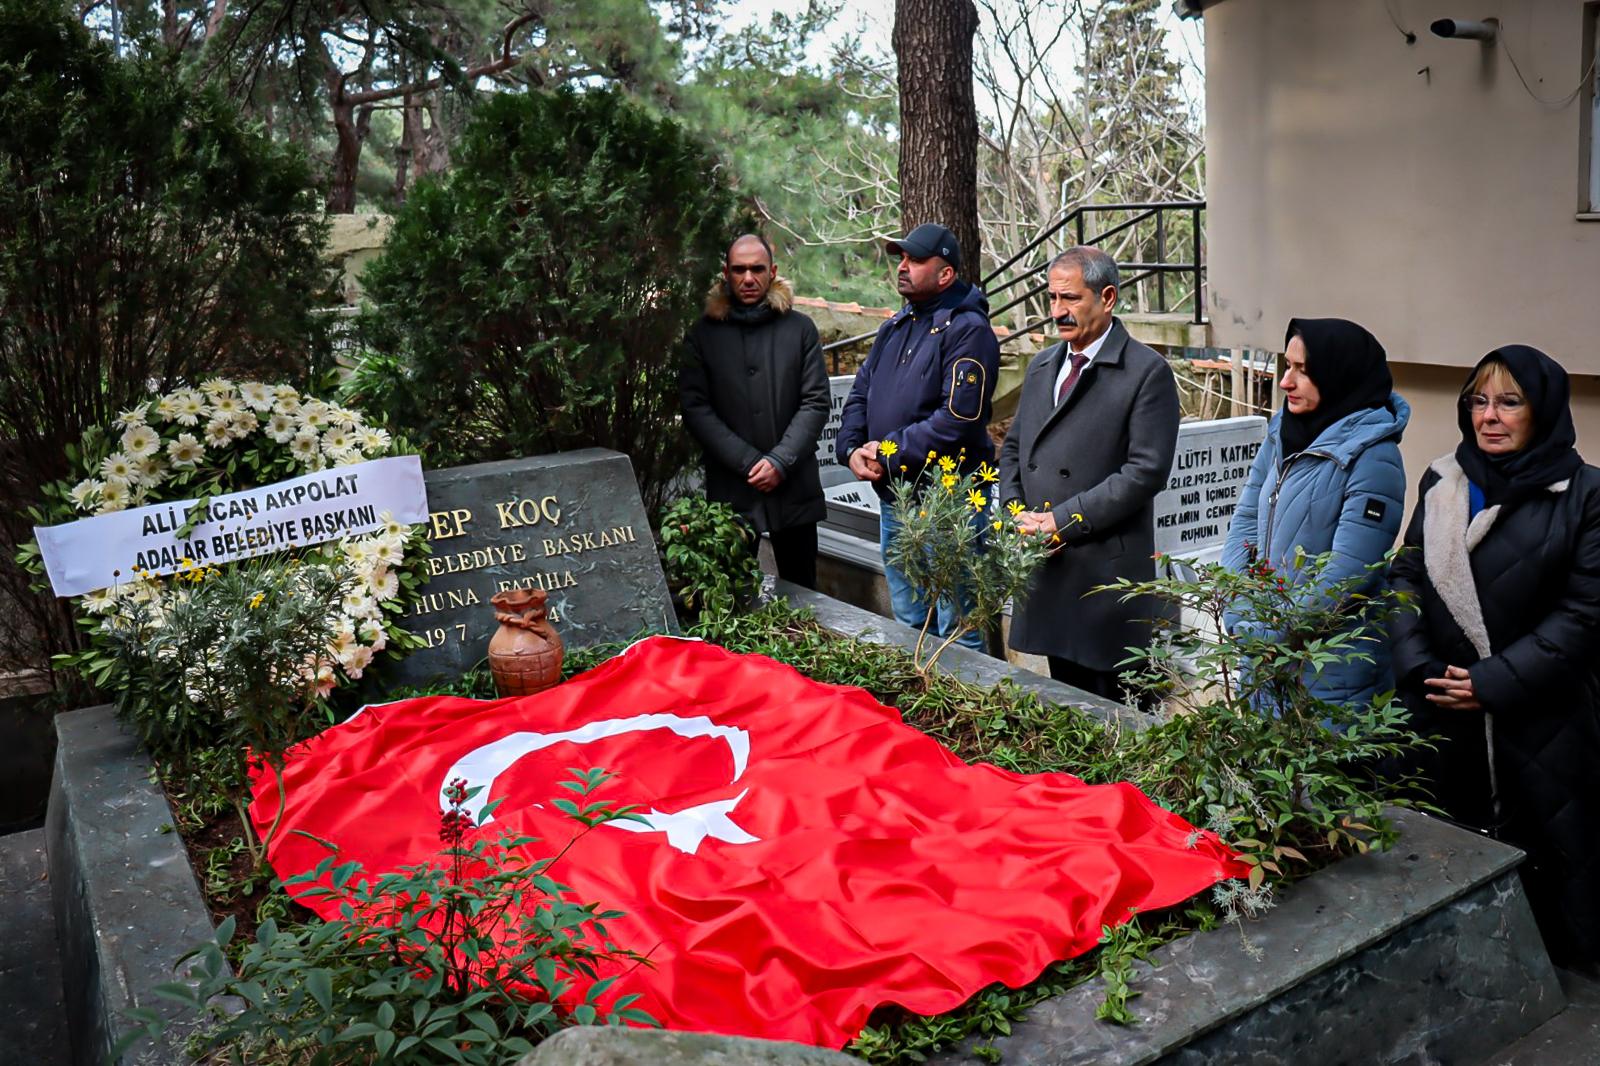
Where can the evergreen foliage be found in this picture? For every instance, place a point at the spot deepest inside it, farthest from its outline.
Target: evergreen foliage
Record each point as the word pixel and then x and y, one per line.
pixel 534 299
pixel 148 237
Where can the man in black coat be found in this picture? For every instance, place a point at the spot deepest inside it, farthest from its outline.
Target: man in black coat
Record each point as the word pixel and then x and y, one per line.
pixel 755 395
pixel 1089 449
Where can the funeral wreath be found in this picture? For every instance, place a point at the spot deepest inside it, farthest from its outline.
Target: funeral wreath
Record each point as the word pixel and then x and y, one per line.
pixel 189 645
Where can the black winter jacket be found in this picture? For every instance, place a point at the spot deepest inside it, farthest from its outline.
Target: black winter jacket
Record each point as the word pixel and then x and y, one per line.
pixel 1515 598
pixel 754 390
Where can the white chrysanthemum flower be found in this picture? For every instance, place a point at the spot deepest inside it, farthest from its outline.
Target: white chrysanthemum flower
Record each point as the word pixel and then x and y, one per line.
pixel 288 407
pixel 100 601
pixel 314 414
pixel 392 526
pixel 357 604
pixel 358 554
pixel 151 471
pixel 215 387
pixel 244 423
pixel 114 496
pixel 280 427
pixel 337 439
pixel 256 395
pixel 385 550
pixel 226 405
pixel 374 440
pixel 167 407
pixel 191 406
pixel 384 583
pixel 356 659
pixel 304 446
pixel 85 493
pixel 345 457
pixel 140 440
pixel 372 632
pixel 219 431
pixel 133 416
pixel 119 466
pixel 186 450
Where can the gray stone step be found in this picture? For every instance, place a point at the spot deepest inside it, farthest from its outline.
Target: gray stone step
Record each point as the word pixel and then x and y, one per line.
pixel 33 1025
pixel 1571 1038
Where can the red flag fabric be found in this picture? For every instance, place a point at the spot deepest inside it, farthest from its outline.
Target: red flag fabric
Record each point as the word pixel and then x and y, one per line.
pixel 808 856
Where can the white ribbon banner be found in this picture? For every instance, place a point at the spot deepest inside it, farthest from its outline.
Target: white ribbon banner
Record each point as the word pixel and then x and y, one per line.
pixel 346 501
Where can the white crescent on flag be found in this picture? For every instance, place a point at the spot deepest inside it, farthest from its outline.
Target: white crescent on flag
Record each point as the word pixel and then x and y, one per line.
pixel 685 829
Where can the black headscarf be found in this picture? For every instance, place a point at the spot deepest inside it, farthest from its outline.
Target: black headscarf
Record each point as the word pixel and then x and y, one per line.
pixel 1551 454
pixel 1349 369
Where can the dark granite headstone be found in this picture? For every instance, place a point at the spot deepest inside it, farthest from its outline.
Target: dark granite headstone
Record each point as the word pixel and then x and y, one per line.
pixel 572 524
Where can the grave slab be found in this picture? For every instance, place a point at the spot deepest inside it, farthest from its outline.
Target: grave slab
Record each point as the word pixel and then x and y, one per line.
pixel 570 523
pixel 125 899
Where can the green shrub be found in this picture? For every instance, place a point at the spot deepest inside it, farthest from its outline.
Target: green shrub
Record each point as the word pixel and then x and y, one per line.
pixel 710 554
pixel 532 300
pixel 148 237
pixel 1245 747
pixel 466 960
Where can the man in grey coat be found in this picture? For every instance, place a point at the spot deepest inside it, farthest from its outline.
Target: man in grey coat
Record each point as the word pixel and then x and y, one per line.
pixel 1090 447
pixel 755 395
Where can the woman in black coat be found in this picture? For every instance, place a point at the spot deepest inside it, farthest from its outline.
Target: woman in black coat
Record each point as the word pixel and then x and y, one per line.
pixel 1503 660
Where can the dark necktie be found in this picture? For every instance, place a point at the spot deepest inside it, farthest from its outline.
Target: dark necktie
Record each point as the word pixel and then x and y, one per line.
pixel 1079 361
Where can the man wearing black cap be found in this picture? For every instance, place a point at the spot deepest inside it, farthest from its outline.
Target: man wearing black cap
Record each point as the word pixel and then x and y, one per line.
pixel 926 385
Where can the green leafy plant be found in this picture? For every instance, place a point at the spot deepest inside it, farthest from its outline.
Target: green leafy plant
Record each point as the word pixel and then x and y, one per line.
pixel 534 296
pixel 232 662
pixel 1246 747
pixel 952 546
pixel 471 959
pixel 710 555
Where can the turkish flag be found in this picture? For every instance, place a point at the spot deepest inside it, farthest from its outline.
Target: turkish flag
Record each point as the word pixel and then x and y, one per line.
pixel 808 856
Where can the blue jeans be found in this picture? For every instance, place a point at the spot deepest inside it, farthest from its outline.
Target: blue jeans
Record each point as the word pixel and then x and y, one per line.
pixel 908 605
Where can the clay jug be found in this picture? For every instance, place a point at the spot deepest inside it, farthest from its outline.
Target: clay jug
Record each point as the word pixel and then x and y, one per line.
pixel 525 652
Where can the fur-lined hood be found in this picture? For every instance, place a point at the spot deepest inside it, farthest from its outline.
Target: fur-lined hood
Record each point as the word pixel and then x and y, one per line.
pixel 780 297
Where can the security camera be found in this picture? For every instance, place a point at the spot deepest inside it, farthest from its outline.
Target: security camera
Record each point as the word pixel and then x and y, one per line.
pixel 1466 29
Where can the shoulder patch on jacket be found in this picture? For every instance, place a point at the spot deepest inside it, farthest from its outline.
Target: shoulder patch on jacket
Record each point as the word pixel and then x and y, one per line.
pixel 1374 509
pixel 968 384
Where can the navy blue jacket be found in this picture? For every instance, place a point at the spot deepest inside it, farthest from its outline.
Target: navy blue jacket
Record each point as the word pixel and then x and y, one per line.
pixel 926 385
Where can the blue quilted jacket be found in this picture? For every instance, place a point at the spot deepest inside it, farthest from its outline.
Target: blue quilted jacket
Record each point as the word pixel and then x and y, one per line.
pixel 1344 494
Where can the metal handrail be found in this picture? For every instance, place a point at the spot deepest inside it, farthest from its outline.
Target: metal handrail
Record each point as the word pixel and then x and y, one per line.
pixel 1140 271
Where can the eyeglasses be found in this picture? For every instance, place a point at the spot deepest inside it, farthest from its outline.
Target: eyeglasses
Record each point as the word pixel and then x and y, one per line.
pixel 1506 405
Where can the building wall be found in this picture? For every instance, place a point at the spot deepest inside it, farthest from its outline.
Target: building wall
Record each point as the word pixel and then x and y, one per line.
pixel 1440 209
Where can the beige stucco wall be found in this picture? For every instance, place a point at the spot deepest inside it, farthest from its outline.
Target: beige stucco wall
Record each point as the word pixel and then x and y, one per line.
pixel 1437 208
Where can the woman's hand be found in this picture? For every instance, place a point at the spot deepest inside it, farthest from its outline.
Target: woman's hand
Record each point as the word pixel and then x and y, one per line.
pixel 1453 690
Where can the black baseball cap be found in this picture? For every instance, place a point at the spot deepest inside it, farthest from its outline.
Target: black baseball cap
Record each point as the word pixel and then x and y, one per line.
pixel 928 239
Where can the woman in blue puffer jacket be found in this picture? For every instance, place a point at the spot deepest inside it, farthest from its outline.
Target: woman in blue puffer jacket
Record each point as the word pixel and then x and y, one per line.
pixel 1328 478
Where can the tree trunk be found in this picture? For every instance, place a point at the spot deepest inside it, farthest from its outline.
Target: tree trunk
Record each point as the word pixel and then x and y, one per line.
pixel 350 126
pixel 939 120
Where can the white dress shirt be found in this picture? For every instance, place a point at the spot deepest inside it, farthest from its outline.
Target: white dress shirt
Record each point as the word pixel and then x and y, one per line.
pixel 1091 351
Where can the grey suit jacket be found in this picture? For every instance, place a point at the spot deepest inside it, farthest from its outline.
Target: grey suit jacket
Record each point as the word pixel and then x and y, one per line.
pixel 1103 455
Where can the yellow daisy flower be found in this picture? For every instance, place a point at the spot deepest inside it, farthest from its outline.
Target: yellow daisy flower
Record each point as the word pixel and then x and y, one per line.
pixel 948 481
pixel 947 464
pixel 978 500
pixel 887 447
pixel 988 474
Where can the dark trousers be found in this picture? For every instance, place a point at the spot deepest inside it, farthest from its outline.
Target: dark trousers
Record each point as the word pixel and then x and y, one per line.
pixel 1096 682
pixel 795 551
